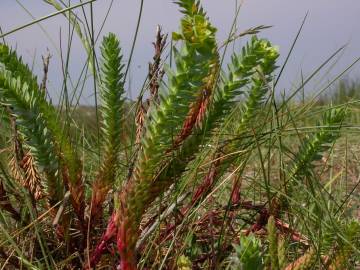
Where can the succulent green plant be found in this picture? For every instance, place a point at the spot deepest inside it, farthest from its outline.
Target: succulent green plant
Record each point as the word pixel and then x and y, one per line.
pixel 313 147
pixel 281 249
pixel 22 94
pixel 41 132
pixel 112 119
pixel 194 63
pixel 343 245
pixel 248 254
pixel 180 125
pixel 196 66
pixel 273 244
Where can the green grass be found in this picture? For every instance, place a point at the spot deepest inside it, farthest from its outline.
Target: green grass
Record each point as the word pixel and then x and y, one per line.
pixel 209 168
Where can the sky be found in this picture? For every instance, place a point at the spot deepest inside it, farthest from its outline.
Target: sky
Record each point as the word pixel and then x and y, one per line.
pixel 330 24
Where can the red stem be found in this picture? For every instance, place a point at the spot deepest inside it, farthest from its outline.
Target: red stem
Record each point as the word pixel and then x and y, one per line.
pixel 101 248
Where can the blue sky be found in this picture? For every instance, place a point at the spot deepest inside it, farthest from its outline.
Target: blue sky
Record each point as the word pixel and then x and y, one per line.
pixel 330 24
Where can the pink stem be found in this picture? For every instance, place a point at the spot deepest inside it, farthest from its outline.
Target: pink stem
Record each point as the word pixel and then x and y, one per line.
pixel 108 236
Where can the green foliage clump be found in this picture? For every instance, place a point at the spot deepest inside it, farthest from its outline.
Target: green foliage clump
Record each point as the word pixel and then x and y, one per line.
pixel 112 119
pixel 273 243
pixel 178 175
pixel 248 254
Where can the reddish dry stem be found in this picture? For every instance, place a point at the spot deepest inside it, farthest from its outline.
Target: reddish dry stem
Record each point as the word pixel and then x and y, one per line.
pixel 77 199
pixel 155 72
pixel 208 181
pixel 190 121
pixel 105 240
